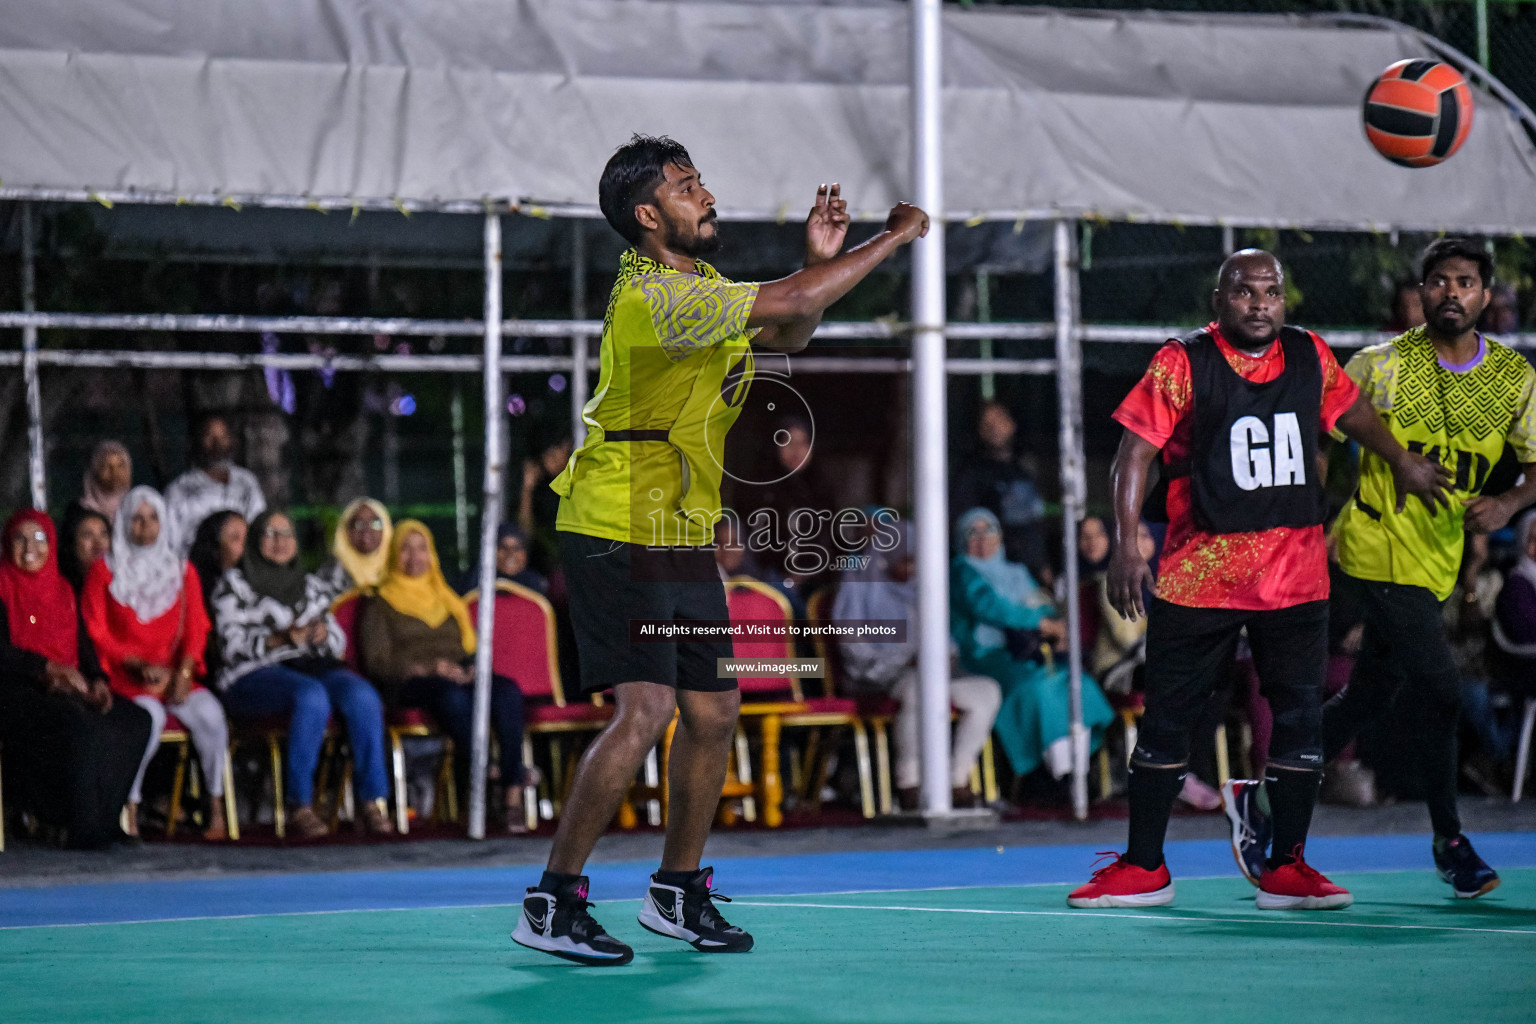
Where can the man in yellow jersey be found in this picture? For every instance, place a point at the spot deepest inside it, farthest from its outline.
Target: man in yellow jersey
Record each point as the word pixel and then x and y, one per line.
pixel 1457 397
pixel 638 506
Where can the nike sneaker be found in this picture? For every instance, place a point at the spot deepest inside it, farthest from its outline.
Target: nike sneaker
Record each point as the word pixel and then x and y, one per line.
pixel 558 923
pixel 688 912
pixel 1122 884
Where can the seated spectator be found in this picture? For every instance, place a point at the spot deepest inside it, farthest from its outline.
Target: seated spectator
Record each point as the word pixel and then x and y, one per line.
pixel 538 506
pixel 794 509
pixel 884 589
pixel 1117 639
pixel 998 614
pixel 1514 617
pixel 360 549
pixel 1092 548
pixel 731 555
pixel 1469 615
pixel 214 483
pixel 1407 308
pixel 1502 316
pixel 417 643
pixel 143 607
pixel 70 749
pixel 282 652
pixel 1092 563
pixel 994 477
pixel 218 548
pixel 107 479
pixel 511 563
pixel 87 539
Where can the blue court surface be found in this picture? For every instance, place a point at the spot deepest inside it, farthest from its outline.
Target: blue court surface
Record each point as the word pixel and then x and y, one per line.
pixel 935 935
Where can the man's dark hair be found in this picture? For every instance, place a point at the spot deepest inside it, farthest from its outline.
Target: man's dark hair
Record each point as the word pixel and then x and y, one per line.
pixel 202 421
pixel 1443 249
pixel 631 177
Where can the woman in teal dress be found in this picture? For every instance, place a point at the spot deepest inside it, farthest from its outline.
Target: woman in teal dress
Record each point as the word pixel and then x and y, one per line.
pixel 990 596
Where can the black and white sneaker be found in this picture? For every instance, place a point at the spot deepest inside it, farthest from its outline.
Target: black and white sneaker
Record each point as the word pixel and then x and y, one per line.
pixel 557 923
pixel 1457 863
pixel 1251 827
pixel 689 913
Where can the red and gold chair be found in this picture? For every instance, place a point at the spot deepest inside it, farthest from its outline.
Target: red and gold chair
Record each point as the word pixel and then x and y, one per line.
pixel 398 723
pixel 779 703
pixel 175 735
pixel 525 649
pixel 879 712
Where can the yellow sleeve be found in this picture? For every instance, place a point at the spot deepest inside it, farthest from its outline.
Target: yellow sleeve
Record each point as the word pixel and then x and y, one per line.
pixel 1522 432
pixel 692 312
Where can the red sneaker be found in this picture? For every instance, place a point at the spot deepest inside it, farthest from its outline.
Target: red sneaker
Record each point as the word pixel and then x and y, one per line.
pixel 1299 886
pixel 1123 884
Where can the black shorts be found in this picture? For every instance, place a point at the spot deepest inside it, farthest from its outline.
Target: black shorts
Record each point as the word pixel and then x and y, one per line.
pixel 610 582
pixel 1190 654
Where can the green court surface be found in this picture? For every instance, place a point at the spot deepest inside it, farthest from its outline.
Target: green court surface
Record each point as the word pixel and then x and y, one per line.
pixel 1405 952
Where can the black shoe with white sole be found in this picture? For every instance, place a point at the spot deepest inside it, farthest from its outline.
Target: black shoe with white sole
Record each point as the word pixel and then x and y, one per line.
pixel 688 912
pixel 557 923
pixel 1457 863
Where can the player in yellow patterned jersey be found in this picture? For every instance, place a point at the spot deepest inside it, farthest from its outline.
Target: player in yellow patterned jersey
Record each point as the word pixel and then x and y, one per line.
pixel 638 505
pixel 1458 397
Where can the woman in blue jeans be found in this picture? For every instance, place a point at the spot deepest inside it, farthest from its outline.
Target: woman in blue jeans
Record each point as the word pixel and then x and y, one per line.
pixel 282 656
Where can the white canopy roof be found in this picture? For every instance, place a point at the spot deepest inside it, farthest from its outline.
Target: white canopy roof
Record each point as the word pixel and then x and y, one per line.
pixel 452 103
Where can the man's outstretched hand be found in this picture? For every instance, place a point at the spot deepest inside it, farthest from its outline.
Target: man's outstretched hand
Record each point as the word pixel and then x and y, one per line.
pixel 827 226
pixel 907 222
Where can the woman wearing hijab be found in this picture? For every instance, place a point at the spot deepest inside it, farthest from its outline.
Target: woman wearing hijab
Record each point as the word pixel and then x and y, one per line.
pixel 143 607
pixel 511 563
pixel 884 589
pixel 70 749
pixel 282 652
pixel 998 613
pixel 360 549
pixel 86 539
pixel 417 643
pixel 1117 638
pixel 1092 548
pixel 107 479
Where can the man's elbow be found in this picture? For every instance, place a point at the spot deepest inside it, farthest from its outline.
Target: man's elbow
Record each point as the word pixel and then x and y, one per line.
pixel 789 301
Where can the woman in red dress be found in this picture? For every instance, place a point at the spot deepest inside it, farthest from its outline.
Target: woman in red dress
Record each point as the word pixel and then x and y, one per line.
pixel 70 748
pixel 143 607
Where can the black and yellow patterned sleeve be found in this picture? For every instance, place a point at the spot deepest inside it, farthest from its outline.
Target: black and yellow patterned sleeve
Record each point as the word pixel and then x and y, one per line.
pixel 691 312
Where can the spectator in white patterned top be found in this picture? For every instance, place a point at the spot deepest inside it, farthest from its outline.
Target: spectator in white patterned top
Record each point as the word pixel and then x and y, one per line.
pixel 282 652
pixel 213 484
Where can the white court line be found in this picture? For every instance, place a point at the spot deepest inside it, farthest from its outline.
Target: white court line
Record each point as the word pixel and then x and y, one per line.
pixel 253 917
pixel 495 906
pixel 1145 916
pixel 740 902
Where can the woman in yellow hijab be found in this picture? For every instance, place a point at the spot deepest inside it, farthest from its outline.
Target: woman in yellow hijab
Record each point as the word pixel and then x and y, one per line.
pixel 360 549
pixel 416 643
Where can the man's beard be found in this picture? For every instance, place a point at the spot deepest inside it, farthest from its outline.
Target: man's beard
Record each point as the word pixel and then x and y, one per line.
pixel 696 245
pixel 1451 321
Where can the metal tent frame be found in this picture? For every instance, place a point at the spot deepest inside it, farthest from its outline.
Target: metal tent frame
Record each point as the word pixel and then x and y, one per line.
pixel 929 365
